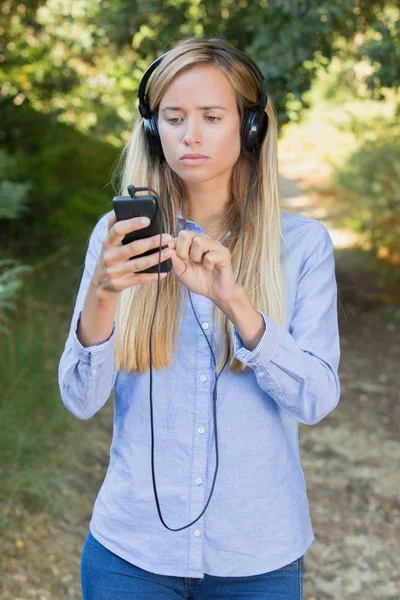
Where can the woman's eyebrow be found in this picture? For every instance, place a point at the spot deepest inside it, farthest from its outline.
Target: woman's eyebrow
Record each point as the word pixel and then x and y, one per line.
pixel 211 106
pixel 176 108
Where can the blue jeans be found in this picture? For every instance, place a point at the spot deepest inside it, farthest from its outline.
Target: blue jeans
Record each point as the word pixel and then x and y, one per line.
pixel 106 576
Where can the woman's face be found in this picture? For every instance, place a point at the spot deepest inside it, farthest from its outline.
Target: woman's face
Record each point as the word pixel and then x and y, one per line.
pixel 199 125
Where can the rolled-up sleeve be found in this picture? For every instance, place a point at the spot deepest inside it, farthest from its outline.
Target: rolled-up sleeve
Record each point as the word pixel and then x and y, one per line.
pixel 298 367
pixel 87 375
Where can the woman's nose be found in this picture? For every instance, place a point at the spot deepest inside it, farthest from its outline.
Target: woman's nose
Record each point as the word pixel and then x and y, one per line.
pixel 192 134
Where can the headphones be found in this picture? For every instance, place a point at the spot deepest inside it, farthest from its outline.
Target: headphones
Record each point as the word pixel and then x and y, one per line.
pixel 255 122
pixel 254 129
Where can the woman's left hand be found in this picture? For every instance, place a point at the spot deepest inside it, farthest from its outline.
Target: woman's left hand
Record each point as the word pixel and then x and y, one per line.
pixel 204 266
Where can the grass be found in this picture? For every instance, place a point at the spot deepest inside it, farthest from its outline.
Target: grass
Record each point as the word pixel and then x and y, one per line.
pixel 42 444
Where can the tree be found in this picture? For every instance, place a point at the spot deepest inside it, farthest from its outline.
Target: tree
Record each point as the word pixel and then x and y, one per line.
pixel 82 59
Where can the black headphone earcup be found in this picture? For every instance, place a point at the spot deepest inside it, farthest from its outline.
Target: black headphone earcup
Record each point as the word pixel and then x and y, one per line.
pixel 254 129
pixel 153 136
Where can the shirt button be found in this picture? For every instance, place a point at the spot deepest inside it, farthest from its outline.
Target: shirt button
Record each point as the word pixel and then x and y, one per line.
pixel 197 533
pixel 203 377
pixel 94 371
pixel 200 430
pixel 260 374
pixel 205 326
pixel 199 480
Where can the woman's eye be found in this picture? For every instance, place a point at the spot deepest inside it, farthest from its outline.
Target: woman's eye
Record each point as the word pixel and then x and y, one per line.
pixel 177 120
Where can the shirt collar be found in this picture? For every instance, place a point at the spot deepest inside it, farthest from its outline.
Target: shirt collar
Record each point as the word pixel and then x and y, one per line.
pixel 192 226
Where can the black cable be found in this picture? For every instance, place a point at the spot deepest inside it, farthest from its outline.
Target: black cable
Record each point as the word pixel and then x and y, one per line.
pixel 217 375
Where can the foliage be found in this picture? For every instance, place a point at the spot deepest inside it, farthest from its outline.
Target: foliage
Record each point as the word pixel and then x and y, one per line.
pixel 13 194
pixel 370 184
pixel 38 446
pixel 67 172
pixel 57 58
pixel 381 46
pixel 82 59
pixel 358 137
pixel 289 39
pixel 9 285
pixel 13 199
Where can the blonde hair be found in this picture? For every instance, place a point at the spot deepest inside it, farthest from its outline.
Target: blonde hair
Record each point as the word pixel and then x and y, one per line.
pixel 261 270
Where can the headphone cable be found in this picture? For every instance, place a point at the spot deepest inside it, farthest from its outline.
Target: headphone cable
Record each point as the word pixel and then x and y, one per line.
pixel 217 375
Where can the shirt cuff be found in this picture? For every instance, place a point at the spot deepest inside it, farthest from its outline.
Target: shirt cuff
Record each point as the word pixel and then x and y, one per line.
pixel 265 349
pixel 92 355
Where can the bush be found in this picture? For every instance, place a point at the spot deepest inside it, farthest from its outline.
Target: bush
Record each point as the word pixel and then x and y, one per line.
pixel 13 199
pixel 370 183
pixel 67 171
pixel 352 142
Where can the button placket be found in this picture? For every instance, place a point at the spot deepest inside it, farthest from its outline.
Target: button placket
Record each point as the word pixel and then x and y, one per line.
pixel 203 379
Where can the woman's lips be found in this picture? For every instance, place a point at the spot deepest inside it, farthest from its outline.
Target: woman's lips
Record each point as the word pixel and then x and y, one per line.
pixel 193 160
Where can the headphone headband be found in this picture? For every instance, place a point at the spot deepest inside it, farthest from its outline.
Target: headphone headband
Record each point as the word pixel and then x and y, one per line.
pixel 144 107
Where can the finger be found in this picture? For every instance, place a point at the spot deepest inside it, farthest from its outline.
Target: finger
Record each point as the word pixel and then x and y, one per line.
pixel 144 262
pixel 121 228
pixel 172 243
pixel 179 266
pixel 140 246
pixel 112 219
pixel 132 267
pixel 147 277
pixel 183 244
pixel 122 253
pixel 200 245
pixel 216 258
pixel 139 278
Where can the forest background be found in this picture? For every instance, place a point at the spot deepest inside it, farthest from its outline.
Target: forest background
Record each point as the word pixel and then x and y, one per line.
pixel 69 76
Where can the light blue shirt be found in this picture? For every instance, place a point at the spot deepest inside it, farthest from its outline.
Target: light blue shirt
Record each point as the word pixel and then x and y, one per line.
pixel 258 519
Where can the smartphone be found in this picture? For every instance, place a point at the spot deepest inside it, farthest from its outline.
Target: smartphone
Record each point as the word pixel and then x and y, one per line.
pixel 145 205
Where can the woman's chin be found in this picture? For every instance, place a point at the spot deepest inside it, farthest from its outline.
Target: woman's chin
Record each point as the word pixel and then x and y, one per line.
pixel 195 175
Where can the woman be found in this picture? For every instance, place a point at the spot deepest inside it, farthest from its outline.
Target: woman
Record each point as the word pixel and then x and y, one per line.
pixel 251 282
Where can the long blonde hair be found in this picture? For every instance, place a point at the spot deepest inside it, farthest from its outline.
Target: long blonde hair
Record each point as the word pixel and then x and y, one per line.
pixel 261 270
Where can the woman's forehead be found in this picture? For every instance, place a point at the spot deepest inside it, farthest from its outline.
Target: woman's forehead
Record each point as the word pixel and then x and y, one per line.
pixel 201 85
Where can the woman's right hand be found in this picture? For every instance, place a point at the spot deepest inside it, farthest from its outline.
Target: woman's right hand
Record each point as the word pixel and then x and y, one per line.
pixel 114 270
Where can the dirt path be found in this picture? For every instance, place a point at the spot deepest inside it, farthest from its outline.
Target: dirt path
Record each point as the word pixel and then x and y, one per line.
pixel 351 459
pixel 351 462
